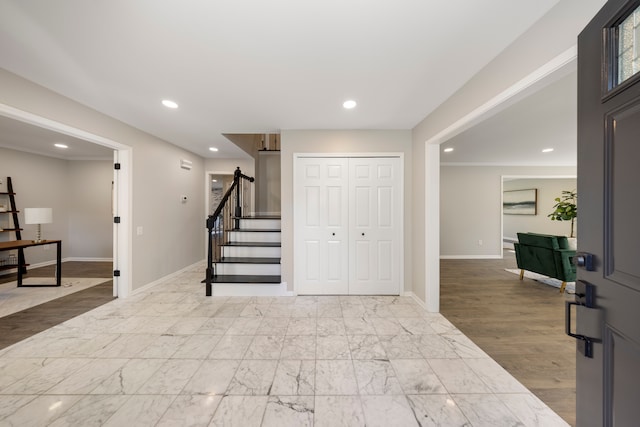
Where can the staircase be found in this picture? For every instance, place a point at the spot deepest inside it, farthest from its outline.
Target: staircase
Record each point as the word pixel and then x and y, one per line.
pixel 243 255
pixel 251 254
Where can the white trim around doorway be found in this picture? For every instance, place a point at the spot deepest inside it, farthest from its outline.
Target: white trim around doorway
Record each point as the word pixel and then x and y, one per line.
pixel 122 253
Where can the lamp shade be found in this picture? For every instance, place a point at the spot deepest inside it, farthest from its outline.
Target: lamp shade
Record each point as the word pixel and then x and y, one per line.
pixel 38 216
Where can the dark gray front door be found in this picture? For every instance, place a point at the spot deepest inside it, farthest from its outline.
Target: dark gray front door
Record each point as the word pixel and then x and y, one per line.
pixel 608 382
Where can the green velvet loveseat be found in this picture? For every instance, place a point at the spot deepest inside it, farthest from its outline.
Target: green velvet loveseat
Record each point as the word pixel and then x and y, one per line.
pixel 546 255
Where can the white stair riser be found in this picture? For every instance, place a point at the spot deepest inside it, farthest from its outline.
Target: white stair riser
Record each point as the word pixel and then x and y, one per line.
pixel 251 251
pixel 249 269
pixel 251 289
pixel 258 236
pixel 260 224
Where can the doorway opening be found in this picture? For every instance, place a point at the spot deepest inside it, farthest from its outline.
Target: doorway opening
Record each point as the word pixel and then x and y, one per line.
pixel 120 194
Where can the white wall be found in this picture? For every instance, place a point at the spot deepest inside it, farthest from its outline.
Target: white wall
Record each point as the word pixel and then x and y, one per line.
pixel 247 165
pixel 173 236
pixel 553 34
pixel 548 190
pixel 418 255
pixel 471 208
pixel 79 193
pixel 268 183
pixel 90 205
pixel 348 141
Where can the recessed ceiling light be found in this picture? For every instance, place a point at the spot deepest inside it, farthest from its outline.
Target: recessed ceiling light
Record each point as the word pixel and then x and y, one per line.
pixel 60 145
pixel 547 150
pixel 213 149
pixel 169 104
pixel 349 104
pixel 448 150
pixel 214 180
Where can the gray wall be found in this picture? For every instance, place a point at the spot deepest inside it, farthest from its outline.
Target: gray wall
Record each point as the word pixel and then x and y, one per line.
pixel 548 190
pixel 268 183
pixel 173 237
pixel 348 141
pixel 79 192
pixel 471 209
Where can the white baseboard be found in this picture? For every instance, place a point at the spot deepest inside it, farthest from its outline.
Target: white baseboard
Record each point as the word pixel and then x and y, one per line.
pixel 416 299
pixel 87 259
pixel 470 256
pixel 53 262
pixel 251 290
pixel 166 278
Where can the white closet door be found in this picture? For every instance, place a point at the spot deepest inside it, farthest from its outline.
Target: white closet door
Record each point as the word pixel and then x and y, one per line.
pixel 321 214
pixel 375 207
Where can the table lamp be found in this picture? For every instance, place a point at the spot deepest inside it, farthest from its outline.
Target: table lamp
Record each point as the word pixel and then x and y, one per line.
pixel 38 216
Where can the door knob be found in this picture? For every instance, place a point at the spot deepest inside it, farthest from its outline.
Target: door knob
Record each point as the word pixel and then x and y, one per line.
pixel 363 234
pixel 333 234
pixel 584 260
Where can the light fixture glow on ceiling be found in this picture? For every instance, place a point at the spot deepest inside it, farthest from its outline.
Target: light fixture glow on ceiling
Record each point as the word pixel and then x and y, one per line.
pixel 213 149
pixel 169 103
pixel 448 150
pixel 214 180
pixel 349 104
pixel 547 150
pixel 60 145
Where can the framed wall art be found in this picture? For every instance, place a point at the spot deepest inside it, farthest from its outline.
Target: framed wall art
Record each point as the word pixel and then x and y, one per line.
pixel 520 202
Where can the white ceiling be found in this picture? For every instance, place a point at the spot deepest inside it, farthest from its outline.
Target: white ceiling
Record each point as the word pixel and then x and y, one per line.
pixel 22 136
pixel 257 66
pixel 518 134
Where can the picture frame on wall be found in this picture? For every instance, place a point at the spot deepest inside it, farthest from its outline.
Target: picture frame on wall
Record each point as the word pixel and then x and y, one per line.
pixel 520 202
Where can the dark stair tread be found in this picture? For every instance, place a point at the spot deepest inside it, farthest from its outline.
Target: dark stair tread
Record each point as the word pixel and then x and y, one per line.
pixel 236 278
pixel 257 244
pixel 250 260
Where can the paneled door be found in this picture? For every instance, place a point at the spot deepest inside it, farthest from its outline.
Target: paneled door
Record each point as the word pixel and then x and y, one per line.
pixel 607 296
pixel 348 232
pixel 374 223
pixel 321 249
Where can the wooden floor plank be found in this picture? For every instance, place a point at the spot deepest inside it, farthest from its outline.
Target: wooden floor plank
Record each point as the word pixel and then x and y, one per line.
pixel 520 324
pixel 23 324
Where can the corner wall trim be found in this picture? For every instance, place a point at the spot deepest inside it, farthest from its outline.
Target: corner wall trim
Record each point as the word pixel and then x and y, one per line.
pixel 167 278
pixel 416 299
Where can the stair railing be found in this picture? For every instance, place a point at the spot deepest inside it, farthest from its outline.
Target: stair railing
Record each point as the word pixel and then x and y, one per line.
pixel 229 211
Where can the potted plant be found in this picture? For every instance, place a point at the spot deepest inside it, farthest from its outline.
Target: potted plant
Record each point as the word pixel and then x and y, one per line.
pixel 565 209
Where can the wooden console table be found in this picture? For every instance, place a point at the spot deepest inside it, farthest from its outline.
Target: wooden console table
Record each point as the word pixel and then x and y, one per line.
pixel 21 244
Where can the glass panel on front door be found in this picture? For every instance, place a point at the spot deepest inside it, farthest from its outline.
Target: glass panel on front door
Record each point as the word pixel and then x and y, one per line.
pixel 629 46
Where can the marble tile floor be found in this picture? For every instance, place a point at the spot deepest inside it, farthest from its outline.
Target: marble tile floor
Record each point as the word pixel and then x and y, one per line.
pixel 170 356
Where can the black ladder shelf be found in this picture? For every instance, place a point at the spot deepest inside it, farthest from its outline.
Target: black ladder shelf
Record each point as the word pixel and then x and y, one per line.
pixel 15 227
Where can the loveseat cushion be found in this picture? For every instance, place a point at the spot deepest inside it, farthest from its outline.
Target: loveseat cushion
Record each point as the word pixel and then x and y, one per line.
pixel 540 240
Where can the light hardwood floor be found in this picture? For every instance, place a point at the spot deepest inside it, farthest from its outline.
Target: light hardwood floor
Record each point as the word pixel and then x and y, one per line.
pixel 520 324
pixel 23 324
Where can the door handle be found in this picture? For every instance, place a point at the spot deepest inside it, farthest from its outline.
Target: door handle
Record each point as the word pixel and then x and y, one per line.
pixel 587 344
pixel 584 260
pixel 585 293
